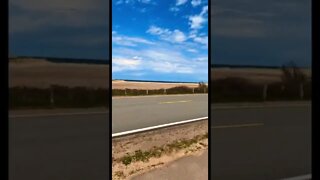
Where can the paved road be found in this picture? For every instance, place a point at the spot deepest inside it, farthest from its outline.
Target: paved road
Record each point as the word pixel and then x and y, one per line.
pixel 139 112
pixel 66 146
pixel 273 142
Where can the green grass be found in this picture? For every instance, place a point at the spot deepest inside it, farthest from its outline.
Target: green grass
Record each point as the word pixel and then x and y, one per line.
pixel 144 156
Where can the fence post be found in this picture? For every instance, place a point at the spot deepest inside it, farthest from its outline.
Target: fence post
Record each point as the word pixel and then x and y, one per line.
pixel 164 91
pixel 51 96
pixel 125 91
pixel 192 90
pixel 147 91
pixel 265 91
pixel 301 91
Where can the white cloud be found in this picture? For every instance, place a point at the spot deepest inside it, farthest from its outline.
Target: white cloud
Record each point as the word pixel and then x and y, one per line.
pixel 195 3
pixel 197 21
pixel 174 9
pixel 192 50
pixel 201 39
pixel 158 31
pixel 125 64
pixel 181 2
pixel 128 41
pixel 178 36
pixel 157 59
pixel 175 36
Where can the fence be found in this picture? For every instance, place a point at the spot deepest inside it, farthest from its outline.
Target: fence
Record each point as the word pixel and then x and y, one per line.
pixel 241 90
pixel 57 97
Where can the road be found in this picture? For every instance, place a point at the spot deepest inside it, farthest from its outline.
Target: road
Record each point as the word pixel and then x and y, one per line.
pixel 72 145
pixel 129 113
pixel 270 142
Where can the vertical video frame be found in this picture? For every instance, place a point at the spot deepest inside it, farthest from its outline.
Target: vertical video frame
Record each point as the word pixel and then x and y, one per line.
pixel 160 89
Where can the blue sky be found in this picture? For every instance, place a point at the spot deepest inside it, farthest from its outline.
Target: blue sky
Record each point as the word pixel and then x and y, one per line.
pixel 161 40
pixel 250 32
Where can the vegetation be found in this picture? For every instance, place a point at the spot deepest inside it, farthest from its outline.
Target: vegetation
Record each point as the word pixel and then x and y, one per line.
pixel 202 88
pixel 294 85
pixel 57 97
pixel 144 156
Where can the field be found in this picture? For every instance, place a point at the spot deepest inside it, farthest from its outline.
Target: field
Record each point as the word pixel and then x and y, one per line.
pixel 40 73
pixel 120 84
pixel 254 75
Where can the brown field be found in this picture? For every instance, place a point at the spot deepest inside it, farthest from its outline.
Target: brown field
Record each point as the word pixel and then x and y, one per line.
pixel 119 84
pixel 42 73
pixel 252 74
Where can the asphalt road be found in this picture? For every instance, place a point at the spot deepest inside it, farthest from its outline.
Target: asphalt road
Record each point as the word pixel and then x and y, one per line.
pixel 262 143
pixel 55 146
pixel 129 113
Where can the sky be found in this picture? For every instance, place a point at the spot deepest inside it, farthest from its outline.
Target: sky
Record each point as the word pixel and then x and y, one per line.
pixel 260 32
pixel 59 28
pixel 243 32
pixel 160 40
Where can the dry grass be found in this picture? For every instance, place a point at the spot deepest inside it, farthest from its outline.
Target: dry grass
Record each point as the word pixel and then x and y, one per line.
pixel 120 84
pixel 42 73
pixel 252 74
pixel 139 153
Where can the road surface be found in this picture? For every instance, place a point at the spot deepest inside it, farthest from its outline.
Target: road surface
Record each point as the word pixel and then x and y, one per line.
pixel 72 145
pixel 263 143
pixel 129 113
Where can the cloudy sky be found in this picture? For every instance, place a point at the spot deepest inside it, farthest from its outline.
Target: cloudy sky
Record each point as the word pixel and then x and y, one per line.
pixel 59 28
pixel 160 40
pixel 252 32
pixel 260 32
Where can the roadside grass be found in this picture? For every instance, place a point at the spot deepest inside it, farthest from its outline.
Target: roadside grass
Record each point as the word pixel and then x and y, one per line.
pixel 157 152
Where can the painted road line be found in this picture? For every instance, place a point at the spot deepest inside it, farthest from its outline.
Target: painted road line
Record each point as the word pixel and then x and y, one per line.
pixel 173 102
pixel 302 177
pixel 56 114
pixel 238 126
pixel 157 127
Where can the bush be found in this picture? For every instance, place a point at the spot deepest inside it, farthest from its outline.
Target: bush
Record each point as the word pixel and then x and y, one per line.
pixel 180 90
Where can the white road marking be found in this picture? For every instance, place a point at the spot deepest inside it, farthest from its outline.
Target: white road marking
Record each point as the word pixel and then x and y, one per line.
pixel 157 127
pixel 173 102
pixel 302 177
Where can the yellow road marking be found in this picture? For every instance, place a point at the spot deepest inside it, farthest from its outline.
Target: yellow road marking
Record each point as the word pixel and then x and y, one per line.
pixel 238 125
pixel 171 102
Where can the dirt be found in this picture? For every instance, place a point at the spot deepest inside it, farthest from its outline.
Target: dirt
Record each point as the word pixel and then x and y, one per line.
pixel 158 138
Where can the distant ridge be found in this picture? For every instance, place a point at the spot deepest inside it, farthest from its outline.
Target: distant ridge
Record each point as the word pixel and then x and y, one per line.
pixel 65 60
